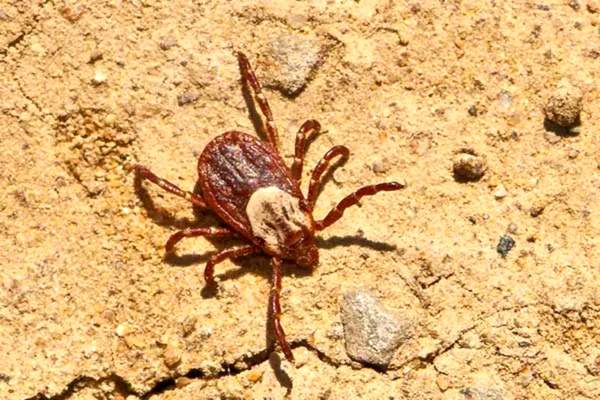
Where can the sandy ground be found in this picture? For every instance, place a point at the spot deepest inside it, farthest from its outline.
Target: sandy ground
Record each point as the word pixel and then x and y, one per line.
pixel 91 309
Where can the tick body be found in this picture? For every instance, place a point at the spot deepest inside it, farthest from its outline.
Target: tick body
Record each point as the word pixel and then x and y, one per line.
pixel 245 182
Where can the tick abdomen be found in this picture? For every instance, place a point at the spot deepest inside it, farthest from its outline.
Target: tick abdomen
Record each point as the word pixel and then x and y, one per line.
pixel 232 168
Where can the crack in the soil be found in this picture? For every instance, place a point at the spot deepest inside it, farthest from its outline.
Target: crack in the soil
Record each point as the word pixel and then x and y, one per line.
pixel 227 369
pixel 122 386
pixel 169 383
pixel 28 97
pixel 81 382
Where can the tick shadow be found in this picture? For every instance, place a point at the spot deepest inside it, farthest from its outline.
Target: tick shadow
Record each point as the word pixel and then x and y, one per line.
pixel 336 241
pixel 159 215
pixel 187 260
pixel 561 131
pixel 275 360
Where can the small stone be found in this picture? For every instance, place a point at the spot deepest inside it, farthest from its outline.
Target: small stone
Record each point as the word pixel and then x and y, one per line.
pixel 255 376
pixel 468 166
pixel 512 228
pixel 291 61
pixel 573 154
pixel 574 4
pixel 166 42
pixel 537 208
pixel 188 325
pixel 110 120
pixel 99 78
pixel 505 244
pixel 135 341
pixel 206 332
pixel 473 111
pixel 564 105
pixel 372 333
pixel 187 97
pixel 123 329
pixel 500 192
pixel 380 165
pixel 72 13
pixel 593 6
pixel 172 356
pixel 505 100
pixel 443 382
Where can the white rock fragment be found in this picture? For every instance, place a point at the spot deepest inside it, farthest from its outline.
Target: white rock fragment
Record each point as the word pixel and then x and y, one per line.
pixel 123 329
pixel 99 77
pixel 500 192
pixel 372 333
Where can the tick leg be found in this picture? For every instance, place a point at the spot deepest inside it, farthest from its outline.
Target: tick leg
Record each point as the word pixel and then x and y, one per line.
pixel 315 179
pixel 249 79
pixel 307 129
pixel 233 252
pixel 144 173
pixel 275 309
pixel 350 200
pixel 209 232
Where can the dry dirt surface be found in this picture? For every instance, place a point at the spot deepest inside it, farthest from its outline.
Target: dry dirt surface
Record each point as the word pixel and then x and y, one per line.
pixel 448 96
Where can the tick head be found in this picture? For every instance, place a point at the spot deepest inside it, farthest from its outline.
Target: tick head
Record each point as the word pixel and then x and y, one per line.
pixel 301 247
pixel 309 258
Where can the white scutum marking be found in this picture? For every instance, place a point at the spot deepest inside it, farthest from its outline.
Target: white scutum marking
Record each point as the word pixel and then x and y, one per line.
pixel 274 214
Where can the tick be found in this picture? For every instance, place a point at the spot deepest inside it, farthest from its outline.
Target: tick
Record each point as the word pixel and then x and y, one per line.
pixel 245 182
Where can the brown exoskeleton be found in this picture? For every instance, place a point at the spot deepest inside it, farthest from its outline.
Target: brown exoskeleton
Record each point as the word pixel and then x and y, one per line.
pixel 246 183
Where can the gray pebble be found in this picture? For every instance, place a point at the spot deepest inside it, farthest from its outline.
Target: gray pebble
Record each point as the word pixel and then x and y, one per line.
pixel 372 333
pixel 293 59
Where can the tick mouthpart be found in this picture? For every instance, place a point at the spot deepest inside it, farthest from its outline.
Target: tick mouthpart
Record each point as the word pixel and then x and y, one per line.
pixel 310 259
